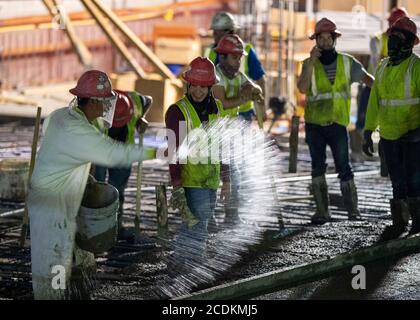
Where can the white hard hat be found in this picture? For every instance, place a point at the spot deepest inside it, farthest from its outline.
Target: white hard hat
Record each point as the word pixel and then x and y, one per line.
pixel 224 21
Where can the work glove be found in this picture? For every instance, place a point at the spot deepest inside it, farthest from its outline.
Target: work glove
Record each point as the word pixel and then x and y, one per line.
pixel 368 143
pixel 179 201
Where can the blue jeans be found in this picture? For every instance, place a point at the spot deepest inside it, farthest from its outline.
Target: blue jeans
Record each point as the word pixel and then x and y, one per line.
pixel 403 162
pixel 191 242
pixel 118 177
pixel 247 116
pixel 335 136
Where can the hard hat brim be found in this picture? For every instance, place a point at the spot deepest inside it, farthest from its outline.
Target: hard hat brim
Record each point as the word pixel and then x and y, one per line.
pixel 336 33
pixel 416 39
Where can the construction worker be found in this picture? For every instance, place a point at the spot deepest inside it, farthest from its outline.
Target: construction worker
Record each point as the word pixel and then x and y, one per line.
pixel 194 184
pixel 129 110
pixel 325 79
pixel 223 23
pixel 394 107
pixel 379 43
pixel 379 50
pixel 234 90
pixel 70 144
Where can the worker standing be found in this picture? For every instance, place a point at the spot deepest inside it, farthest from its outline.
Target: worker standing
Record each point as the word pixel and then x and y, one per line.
pixel 223 23
pixel 70 144
pixel 194 184
pixel 379 50
pixel 394 107
pixel 234 90
pixel 325 79
pixel 130 108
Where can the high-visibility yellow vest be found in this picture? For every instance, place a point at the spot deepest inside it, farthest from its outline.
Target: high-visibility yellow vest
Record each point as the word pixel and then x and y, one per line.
pixel 206 176
pixel 244 68
pixel 394 104
pixel 328 103
pixel 232 89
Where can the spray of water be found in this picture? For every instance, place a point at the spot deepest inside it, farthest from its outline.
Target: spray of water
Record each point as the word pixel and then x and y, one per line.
pixel 250 160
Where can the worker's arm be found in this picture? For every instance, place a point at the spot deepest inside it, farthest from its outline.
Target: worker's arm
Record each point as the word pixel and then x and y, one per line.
pixel 173 118
pixel 305 78
pixel 89 145
pixel 359 74
pixel 368 80
pixel 371 122
pixel 229 103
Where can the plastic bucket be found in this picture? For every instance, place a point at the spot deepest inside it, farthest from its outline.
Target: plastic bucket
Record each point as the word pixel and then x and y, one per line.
pixel 97 218
pixel 14 179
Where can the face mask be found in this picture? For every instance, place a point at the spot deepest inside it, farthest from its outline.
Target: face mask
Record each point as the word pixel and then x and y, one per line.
pixel 109 110
pixel 328 56
pixel 398 48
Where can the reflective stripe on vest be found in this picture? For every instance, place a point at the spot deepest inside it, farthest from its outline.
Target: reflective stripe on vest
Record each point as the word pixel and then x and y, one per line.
pixel 328 102
pixel 408 99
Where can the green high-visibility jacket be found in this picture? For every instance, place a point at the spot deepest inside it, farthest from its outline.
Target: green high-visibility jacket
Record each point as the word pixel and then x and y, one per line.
pixel 198 175
pixel 394 102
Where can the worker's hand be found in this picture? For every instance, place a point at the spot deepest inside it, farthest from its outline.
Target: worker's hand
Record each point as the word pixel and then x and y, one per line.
pixel 315 54
pixel 368 143
pixel 142 125
pixel 178 201
pixel 247 92
pixel 225 192
pixel 259 98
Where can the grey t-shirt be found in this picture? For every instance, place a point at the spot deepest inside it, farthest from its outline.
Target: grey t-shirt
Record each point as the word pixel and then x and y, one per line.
pixel 357 71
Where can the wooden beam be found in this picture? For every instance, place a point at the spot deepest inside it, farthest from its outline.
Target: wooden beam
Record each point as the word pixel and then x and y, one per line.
pixel 82 51
pixel 282 279
pixel 113 37
pixel 135 41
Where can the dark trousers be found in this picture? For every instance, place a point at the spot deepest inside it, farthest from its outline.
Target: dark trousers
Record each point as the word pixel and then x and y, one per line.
pixel 335 136
pixel 118 177
pixel 403 162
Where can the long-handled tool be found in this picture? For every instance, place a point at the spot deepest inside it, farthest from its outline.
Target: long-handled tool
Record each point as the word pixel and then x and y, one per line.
pixel 25 219
pixel 147 107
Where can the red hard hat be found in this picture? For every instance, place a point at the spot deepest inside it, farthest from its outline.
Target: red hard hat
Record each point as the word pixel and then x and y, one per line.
pixel 231 44
pixel 395 14
pixel 124 109
pixel 93 84
pixel 201 72
pixel 405 23
pixel 325 25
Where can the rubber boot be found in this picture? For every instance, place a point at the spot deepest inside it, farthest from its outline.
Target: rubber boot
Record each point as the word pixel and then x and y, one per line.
pixel 414 207
pixel 356 142
pixel 349 192
pixel 320 192
pixel 212 226
pixel 400 214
